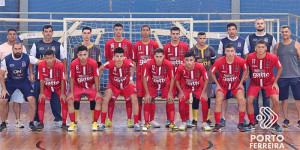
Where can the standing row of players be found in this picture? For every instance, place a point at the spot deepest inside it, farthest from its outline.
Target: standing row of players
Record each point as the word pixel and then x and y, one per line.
pixel 174 51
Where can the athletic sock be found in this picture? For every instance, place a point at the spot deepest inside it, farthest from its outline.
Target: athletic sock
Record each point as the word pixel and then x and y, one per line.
pixel 96 115
pixel 111 108
pixel 251 118
pixel 146 112
pixel 72 117
pixel 152 111
pixel 187 111
pixel 103 117
pixel 129 109
pixel 217 117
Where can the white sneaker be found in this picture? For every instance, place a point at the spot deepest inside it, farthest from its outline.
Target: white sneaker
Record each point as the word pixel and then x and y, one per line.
pixel 205 127
pixel 183 126
pixel 58 124
pixel 19 124
pixel 36 123
pixel 154 124
pixel 7 123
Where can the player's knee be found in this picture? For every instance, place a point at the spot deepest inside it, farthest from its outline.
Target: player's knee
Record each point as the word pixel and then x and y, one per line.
pixel 31 100
pixel 70 102
pixel 105 100
pixel 4 101
pixel 219 101
pixel 250 100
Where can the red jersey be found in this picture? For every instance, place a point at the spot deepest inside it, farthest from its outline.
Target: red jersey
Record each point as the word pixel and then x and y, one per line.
pixel 84 74
pixel 119 77
pixel 191 79
pixel 175 54
pixel 143 53
pixel 111 44
pixel 262 69
pixel 52 76
pixel 229 73
pixel 159 76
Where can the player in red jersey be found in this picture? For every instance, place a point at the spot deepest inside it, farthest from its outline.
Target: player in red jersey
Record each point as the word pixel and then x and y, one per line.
pixel 143 51
pixel 189 80
pixel 52 79
pixel 84 80
pixel 110 46
pixel 262 77
pixel 229 68
pixel 159 75
pixel 174 52
pixel 121 72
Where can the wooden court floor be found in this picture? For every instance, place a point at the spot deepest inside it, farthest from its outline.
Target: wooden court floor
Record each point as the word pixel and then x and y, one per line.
pixel 120 137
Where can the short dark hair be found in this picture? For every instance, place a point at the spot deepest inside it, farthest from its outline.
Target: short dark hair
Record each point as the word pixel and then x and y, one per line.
pixel 81 48
pixel 16 42
pixel 231 24
pixel 201 33
pixel 189 54
pixel 47 26
pixel 118 25
pixel 145 26
pixel 175 29
pixel 259 18
pixel 49 52
pixel 230 45
pixel 261 42
pixel 159 50
pixel 11 29
pixel 118 50
pixel 86 28
pixel 285 26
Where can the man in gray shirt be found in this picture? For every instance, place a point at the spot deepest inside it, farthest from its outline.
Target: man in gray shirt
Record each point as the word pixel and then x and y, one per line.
pixel 288 52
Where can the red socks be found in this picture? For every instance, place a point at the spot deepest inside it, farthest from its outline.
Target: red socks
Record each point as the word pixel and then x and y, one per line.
pixel 103 117
pixel 251 118
pixel 146 112
pixel 111 108
pixel 182 111
pixel 96 115
pixel 217 117
pixel 187 111
pixel 140 111
pixel 129 109
pixel 41 110
pixel 64 111
pixel 241 116
pixel 171 112
pixel 204 109
pixel 72 117
pixel 152 111
pixel 167 111
pixel 136 119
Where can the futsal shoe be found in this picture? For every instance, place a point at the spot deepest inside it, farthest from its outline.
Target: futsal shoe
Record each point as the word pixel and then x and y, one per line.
pixel 194 123
pixel 72 127
pixel 57 124
pixel 154 124
pixel 7 123
pixel 285 123
pixel 64 127
pixel 217 128
pixel 188 124
pixel 241 127
pixel 40 127
pixel 298 123
pixel 276 127
pixel 95 126
pixel 183 126
pixel 173 127
pixel 101 127
pixel 209 123
pixel 129 123
pixel 32 127
pixel 222 122
pixel 250 127
pixel 108 123
pixel 3 127
pixel 146 127
pixel 137 127
pixel 167 123
pixel 205 127
pixel 19 124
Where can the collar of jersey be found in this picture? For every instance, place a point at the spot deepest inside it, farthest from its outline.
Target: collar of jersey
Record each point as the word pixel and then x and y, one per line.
pixel 233 39
pixel 16 58
pixel 202 48
pixel 89 47
pixel 260 35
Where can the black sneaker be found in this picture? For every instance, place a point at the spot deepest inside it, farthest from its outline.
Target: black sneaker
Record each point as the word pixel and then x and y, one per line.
pixel 194 123
pixel 241 127
pixel 285 123
pixel 209 123
pixel 276 127
pixel 32 127
pixel 250 127
pixel 298 123
pixel 64 127
pixel 40 127
pixel 217 128
pixel 3 126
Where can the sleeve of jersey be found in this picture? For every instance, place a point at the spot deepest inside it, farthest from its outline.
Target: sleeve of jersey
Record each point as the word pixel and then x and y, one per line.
pixel 243 64
pixel 106 51
pixel 62 52
pixel 178 74
pixel 248 61
pixel 95 68
pixel 220 49
pixel 278 63
pixel 33 50
pixel 186 48
pixel 273 43
pixel 62 68
pixel 146 70
pixel 74 55
pixel 130 63
pixel 205 75
pixel 72 70
pixel 33 60
pixel 107 65
pixel 170 71
pixel 3 65
pixel 40 72
pixel 246 50
pixel 155 45
pixel 212 53
pixel 134 51
pixel 214 68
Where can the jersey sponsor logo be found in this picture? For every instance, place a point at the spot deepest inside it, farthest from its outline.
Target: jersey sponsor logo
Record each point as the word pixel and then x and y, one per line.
pixel 260 73
pixel 50 82
pixel 158 79
pixel 176 61
pixel 83 78
pixel 229 78
pixel 204 62
pixel 41 48
pixel 255 39
pixel 11 65
pixel 120 79
pixel 192 82
pixel 238 54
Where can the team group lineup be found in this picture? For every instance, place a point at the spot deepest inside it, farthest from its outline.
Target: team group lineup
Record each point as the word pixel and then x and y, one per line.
pixel 174 70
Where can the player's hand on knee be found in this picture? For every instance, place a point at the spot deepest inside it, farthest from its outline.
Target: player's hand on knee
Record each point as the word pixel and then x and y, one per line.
pixel 147 98
pixel 241 86
pixel 275 85
pixel 181 95
pixel 203 95
pixel 70 95
pixel 218 87
pixel 42 95
pixel 170 97
pixel 3 93
pixel 31 78
pixel 98 95
pixel 63 97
